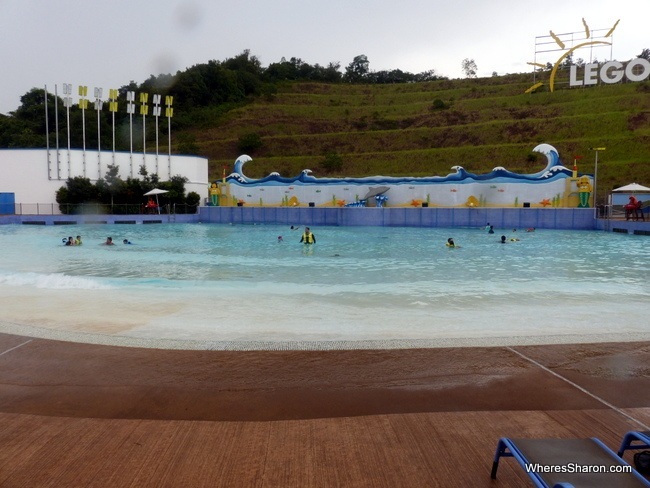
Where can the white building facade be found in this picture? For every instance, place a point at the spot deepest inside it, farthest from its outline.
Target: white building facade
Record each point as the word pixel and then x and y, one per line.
pixel 34 175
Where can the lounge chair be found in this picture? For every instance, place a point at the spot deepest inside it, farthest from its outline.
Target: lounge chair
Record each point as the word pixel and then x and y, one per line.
pixel 634 436
pixel 566 463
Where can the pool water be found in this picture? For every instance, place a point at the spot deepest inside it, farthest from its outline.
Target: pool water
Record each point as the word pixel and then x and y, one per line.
pixel 209 282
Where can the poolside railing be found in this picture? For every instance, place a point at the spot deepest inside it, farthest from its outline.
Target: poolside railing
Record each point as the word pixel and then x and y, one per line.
pixel 97 209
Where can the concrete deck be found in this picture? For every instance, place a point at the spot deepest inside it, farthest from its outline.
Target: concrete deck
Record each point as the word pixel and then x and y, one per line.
pixel 76 414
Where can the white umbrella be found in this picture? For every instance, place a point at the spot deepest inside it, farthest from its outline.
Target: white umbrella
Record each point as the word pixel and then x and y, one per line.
pixel 156 191
pixel 631 188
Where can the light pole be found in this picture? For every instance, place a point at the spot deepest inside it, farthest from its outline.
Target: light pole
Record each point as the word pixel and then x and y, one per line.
pixel 98 107
pixel 56 125
pixel 130 109
pixel 596 176
pixel 112 106
pixel 67 101
pixel 47 137
pixel 144 111
pixel 169 113
pixel 156 113
pixel 83 105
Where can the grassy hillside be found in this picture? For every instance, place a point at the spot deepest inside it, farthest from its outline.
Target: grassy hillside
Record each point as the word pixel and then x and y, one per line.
pixel 424 129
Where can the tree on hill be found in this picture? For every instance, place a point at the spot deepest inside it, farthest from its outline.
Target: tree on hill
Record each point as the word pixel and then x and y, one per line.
pixel 469 68
pixel 356 71
pixel 295 69
pixel 429 75
pixel 645 54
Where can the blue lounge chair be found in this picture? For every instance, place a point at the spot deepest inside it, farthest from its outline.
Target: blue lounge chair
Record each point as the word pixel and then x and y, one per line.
pixel 635 436
pixel 568 463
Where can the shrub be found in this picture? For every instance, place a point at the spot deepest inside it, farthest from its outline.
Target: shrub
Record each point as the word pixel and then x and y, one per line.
pixel 332 162
pixel 249 142
pixel 193 198
pixel 439 105
pixel 187 144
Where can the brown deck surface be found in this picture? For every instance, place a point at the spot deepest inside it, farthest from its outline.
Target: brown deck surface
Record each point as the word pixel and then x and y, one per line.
pixel 86 415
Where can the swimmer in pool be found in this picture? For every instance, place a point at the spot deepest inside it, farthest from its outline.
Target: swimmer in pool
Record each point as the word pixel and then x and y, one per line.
pixel 308 237
pixel 503 240
pixel 451 243
pixel 109 242
pixel 126 241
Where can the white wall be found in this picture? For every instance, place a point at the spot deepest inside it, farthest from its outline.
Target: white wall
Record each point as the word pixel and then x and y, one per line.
pixel 448 194
pixel 34 175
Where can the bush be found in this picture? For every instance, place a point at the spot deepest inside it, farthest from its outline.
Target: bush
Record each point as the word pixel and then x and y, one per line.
pixel 331 163
pixel 248 143
pixel 193 198
pixel 121 197
pixel 78 190
pixel 187 144
pixel 439 105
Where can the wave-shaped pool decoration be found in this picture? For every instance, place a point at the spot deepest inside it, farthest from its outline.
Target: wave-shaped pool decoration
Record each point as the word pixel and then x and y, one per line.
pixel 468 184
pixel 553 169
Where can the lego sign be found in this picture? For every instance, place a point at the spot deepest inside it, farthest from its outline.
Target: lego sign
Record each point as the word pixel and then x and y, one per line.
pixel 593 73
pixel 610 72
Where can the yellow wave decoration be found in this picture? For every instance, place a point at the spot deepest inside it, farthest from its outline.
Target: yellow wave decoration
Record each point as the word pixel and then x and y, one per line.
pixel 557 40
pixel 611 31
pixel 534 87
pixel 557 64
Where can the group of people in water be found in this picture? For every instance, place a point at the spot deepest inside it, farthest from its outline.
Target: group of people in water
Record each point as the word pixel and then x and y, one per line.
pixel 490 230
pixel 307 236
pixel 504 239
pixel 109 241
pixel 70 241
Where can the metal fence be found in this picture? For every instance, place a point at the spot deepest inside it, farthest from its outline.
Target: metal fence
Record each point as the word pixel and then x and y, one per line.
pixel 100 209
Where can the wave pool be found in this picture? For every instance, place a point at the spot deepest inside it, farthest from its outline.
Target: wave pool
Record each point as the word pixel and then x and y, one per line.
pixel 237 285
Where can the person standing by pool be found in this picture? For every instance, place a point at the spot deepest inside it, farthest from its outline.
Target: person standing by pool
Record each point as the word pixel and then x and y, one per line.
pixel 308 237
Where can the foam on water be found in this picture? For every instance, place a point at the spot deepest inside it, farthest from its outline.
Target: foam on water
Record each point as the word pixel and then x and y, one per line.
pixel 237 283
pixel 54 281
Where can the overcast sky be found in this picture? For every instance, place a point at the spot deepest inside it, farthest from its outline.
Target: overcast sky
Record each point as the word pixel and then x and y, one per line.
pixel 101 43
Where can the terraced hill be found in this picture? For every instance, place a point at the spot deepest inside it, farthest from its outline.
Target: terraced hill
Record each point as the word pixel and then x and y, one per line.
pixel 426 128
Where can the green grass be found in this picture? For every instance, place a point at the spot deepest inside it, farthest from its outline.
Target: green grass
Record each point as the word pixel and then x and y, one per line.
pixel 395 130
